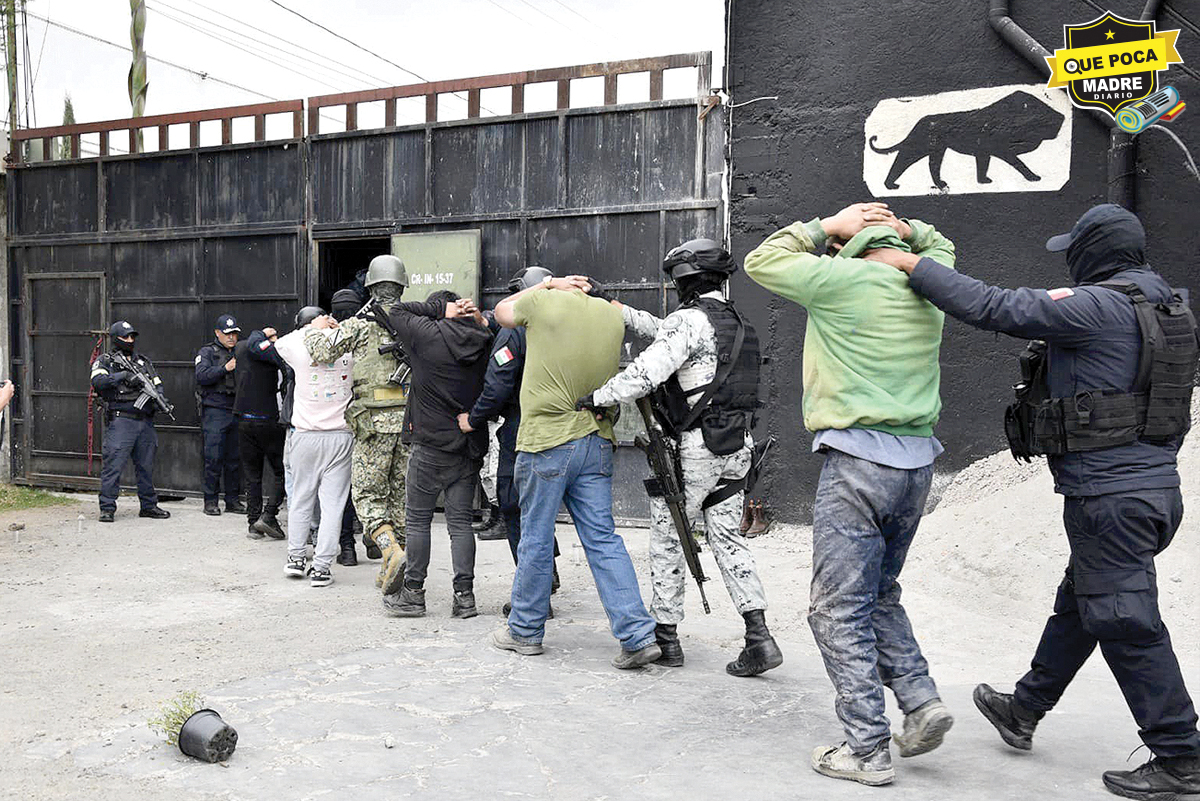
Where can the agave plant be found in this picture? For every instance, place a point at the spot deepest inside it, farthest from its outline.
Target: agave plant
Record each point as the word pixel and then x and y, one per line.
pixel 174 713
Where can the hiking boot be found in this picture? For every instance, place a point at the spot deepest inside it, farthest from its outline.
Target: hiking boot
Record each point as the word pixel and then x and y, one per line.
pixel 839 762
pixel 211 508
pixel 268 524
pixel 924 728
pixel 319 576
pixel 106 516
pixel 628 660
pixel 464 604
pixel 155 513
pixel 502 638
pixel 296 566
pixel 409 602
pixel 761 652
pixel 347 557
pixel 1014 722
pixel 492 528
pixel 237 507
pixel 1160 779
pixel 392 569
pixel 507 610
pixel 668 642
pixel 254 534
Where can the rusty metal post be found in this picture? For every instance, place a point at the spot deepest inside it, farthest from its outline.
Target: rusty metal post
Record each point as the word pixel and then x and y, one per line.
pixel 472 103
pixel 104 143
pixel 389 113
pixel 314 119
pixel 260 127
pixel 431 108
pixel 656 84
pixel 564 93
pixel 610 89
pixel 164 137
pixel 226 131
pixel 193 135
pixel 351 116
pixel 518 98
pixel 298 124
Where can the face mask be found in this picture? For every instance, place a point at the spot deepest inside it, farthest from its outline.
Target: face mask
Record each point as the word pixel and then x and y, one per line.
pixel 123 346
pixel 387 292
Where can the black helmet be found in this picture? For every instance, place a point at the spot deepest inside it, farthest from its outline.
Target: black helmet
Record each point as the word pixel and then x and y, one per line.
pixel 527 277
pixel 345 302
pixel 307 315
pixel 122 328
pixel 699 256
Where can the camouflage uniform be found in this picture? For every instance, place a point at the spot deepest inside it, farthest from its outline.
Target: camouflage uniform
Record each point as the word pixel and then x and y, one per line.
pixel 376 417
pixel 685 344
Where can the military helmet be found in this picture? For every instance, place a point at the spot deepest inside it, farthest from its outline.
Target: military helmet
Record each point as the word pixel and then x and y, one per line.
pixel 386 268
pixel 307 315
pixel 122 328
pixel 527 277
pixel 699 256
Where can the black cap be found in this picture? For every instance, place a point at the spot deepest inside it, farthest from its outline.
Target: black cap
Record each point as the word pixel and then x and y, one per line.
pixel 226 324
pixel 122 328
pixel 1103 214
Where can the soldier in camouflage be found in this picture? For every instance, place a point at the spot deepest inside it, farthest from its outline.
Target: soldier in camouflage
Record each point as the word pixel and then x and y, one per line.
pixel 375 416
pixel 714 410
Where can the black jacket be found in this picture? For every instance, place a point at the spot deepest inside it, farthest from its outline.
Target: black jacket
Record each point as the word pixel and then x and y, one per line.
pixel 1093 343
pixel 501 396
pixel 214 384
pixel 448 359
pixel 257 379
pixel 117 388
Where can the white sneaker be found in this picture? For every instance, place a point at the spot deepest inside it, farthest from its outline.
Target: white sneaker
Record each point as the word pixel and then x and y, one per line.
pixel 320 576
pixel 839 762
pixel 296 567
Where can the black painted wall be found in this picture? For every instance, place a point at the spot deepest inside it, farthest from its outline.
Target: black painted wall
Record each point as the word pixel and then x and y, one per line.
pixel 830 62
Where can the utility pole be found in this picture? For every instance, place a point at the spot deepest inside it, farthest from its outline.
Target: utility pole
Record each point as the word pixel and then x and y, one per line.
pixel 10 54
pixel 137 71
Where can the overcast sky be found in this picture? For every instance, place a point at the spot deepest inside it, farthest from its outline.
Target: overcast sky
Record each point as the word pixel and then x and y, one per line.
pixel 436 39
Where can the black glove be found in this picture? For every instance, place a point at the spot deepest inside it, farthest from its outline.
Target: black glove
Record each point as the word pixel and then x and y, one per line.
pixel 598 291
pixel 123 377
pixel 588 403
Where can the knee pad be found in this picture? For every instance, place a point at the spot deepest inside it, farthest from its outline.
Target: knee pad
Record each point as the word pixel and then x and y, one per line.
pixel 1118 605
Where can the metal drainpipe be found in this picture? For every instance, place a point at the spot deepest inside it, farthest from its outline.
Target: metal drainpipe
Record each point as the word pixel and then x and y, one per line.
pixel 1122 150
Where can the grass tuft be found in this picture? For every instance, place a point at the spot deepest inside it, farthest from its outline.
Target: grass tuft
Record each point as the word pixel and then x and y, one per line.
pixel 14 498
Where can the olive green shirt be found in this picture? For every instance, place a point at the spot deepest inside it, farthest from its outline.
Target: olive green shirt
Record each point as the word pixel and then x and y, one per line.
pixel 573 347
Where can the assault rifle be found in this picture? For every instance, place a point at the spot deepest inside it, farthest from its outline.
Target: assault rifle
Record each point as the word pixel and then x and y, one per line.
pixel 150 391
pixel 667 484
pixel 401 375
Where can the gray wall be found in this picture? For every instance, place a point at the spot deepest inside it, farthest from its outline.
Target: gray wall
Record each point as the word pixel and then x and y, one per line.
pixel 802 156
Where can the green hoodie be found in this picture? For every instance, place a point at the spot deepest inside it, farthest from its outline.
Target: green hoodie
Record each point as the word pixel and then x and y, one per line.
pixel 871 346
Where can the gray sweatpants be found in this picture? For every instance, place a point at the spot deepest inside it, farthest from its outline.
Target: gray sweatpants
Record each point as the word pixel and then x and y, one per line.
pixel 320 474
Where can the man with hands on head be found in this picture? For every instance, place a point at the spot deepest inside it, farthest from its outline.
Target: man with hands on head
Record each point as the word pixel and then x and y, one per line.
pixel 1115 388
pixel 260 433
pixel 871 398
pixel 565 455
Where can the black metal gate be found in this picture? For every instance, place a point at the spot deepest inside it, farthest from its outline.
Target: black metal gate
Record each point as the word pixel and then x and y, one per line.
pixel 172 239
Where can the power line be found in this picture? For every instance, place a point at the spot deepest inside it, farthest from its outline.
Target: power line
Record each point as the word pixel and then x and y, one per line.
pixel 29 101
pixel 41 50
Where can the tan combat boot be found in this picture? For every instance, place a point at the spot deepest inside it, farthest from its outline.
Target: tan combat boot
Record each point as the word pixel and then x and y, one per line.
pixel 391 571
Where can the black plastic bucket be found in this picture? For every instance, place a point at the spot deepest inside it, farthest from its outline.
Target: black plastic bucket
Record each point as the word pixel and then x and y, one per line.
pixel 205 736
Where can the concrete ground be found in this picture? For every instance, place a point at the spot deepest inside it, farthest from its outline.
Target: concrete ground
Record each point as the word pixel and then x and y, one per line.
pixel 332 699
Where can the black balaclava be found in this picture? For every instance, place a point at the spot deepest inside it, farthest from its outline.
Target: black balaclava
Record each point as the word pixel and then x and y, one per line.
pixel 691 287
pixel 123 346
pixel 1106 240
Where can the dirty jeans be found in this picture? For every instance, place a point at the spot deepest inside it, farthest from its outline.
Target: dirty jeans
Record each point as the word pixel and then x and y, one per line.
pixel 579 474
pixel 864 520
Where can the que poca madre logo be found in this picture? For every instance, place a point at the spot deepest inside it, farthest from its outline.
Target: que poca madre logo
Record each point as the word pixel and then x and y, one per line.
pixel 1112 62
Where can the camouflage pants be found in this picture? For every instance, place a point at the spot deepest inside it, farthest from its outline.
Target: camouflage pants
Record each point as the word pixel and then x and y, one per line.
pixel 702 470
pixel 377 470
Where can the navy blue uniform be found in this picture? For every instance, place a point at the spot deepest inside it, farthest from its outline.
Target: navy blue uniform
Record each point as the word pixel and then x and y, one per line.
pixel 218 423
pixel 1122 504
pixel 129 432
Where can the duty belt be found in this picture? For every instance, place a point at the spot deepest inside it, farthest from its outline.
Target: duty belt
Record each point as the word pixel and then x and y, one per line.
pixel 132 415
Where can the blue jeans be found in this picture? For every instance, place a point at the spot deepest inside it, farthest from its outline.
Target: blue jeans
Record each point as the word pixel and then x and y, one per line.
pixel 864 519
pixel 579 474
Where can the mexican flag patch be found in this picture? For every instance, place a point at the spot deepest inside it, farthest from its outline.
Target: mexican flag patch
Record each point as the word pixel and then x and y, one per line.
pixel 503 356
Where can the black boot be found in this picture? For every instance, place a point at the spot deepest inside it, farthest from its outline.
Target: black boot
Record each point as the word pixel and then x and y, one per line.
pixel 409 602
pixel 347 557
pixel 492 527
pixel 668 640
pixel 1014 722
pixel 464 602
pixel 268 525
pixel 761 652
pixel 1160 778
pixel 373 551
pixel 211 508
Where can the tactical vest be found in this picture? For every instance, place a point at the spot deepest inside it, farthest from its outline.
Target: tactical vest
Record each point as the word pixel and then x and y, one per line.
pixel 373 373
pixel 1156 412
pixel 727 405
pixel 125 393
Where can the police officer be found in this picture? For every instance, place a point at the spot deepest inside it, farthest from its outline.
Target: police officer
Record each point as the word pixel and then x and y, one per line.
pixel 129 429
pixel 375 415
pixel 216 389
pixel 501 397
pixel 1109 406
pixel 715 409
